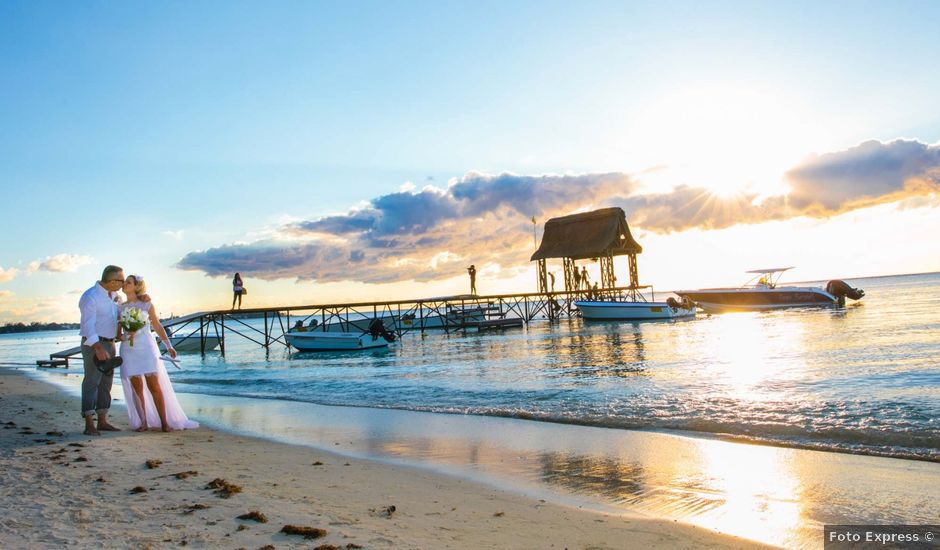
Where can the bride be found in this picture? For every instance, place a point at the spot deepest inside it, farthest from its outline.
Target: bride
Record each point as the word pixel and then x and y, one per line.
pixel 143 367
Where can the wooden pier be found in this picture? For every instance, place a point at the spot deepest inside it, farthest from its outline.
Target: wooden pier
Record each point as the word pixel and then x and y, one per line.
pixel 459 313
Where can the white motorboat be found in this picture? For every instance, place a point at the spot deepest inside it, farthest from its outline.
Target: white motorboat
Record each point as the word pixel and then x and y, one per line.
pixel 334 341
pixel 635 311
pixel 187 344
pixel 453 317
pixel 765 294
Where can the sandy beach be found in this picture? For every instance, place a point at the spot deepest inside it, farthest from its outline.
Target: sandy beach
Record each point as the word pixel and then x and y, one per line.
pixel 63 488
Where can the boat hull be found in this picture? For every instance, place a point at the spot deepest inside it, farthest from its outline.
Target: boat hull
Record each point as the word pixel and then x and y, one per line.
pixel 453 318
pixel 191 344
pixel 631 311
pixel 334 341
pixel 717 300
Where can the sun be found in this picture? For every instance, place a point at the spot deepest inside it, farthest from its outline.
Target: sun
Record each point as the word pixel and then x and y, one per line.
pixel 729 139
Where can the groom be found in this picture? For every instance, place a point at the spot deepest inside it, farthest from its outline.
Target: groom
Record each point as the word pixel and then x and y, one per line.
pixel 99 324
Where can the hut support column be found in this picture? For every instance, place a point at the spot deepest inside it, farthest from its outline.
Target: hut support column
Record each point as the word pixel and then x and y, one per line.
pixel 634 277
pixel 542 274
pixel 608 279
pixel 570 285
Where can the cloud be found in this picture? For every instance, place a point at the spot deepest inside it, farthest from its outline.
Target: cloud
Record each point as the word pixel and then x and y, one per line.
pixel 175 235
pixel 7 275
pixel 60 263
pixel 6 294
pixel 433 232
pixel 870 173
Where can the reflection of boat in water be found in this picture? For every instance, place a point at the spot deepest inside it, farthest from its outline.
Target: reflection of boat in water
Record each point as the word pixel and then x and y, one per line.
pixel 765 294
pixel 374 336
pixel 635 311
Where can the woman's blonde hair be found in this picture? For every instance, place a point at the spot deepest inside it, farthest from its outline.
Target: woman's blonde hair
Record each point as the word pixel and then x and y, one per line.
pixel 140 287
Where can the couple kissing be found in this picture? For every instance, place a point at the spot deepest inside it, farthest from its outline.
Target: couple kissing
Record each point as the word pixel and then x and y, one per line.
pixel 107 317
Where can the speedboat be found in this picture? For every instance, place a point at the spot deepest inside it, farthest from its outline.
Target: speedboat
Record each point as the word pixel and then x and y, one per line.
pixel 192 342
pixel 597 310
pixel 375 336
pixel 334 341
pixel 633 311
pixel 766 294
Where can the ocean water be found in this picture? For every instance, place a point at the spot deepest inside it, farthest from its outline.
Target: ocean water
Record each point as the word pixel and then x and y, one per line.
pixel 861 379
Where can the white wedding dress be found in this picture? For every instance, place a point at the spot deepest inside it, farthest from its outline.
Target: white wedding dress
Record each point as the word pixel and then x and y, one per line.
pixel 143 358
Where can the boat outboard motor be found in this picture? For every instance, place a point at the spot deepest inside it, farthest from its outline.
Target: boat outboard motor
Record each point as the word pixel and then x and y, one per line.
pixel 377 328
pixel 841 290
pixel 685 303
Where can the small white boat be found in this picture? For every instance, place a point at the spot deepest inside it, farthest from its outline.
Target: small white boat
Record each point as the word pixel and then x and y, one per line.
pixel 186 344
pixel 334 341
pixel 634 311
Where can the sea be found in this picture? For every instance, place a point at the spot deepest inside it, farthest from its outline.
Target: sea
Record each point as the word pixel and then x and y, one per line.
pixel 859 380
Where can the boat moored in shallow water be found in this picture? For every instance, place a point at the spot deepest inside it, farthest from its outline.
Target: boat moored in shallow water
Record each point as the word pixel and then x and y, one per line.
pixel 334 341
pixel 597 310
pixel 765 294
pixel 375 336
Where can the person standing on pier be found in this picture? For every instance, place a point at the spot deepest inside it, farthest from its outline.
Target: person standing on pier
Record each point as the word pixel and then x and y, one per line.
pixel 551 276
pixel 472 270
pixel 585 282
pixel 577 278
pixel 238 288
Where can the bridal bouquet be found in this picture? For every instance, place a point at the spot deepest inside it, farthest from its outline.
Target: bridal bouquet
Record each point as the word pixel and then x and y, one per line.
pixel 132 320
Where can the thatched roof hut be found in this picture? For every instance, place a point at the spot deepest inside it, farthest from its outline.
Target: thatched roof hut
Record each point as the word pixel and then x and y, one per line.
pixel 598 234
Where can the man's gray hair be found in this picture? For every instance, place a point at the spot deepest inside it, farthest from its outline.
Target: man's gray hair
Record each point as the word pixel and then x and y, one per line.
pixel 110 270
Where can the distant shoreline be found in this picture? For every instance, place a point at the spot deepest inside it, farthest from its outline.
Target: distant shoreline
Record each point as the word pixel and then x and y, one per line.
pixel 16 328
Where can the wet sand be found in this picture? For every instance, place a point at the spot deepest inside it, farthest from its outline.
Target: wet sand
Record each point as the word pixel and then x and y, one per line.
pixel 781 496
pixel 61 487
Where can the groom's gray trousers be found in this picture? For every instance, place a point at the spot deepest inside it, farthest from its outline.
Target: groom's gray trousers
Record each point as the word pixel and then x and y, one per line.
pixel 96 386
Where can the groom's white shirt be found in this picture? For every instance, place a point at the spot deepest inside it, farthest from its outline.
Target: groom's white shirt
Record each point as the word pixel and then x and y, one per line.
pixel 99 314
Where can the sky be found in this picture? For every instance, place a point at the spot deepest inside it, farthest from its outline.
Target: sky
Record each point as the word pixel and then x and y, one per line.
pixel 353 151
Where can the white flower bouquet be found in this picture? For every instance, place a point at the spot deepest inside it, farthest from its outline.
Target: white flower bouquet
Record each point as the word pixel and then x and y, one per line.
pixel 133 319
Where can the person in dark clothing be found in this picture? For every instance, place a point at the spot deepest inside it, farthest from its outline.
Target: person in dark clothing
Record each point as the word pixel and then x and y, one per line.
pixel 472 270
pixel 238 288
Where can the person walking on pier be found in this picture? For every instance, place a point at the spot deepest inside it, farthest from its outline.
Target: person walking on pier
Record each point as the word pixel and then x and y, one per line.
pixel 585 282
pixel 238 288
pixel 551 277
pixel 472 270
pixel 577 278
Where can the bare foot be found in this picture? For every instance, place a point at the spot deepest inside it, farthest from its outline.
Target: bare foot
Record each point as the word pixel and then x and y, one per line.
pixel 167 429
pixel 91 431
pixel 143 428
pixel 104 427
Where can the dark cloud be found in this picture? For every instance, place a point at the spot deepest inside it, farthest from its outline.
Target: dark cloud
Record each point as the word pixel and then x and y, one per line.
pixel 434 233
pixel 354 222
pixel 535 195
pixel 869 173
